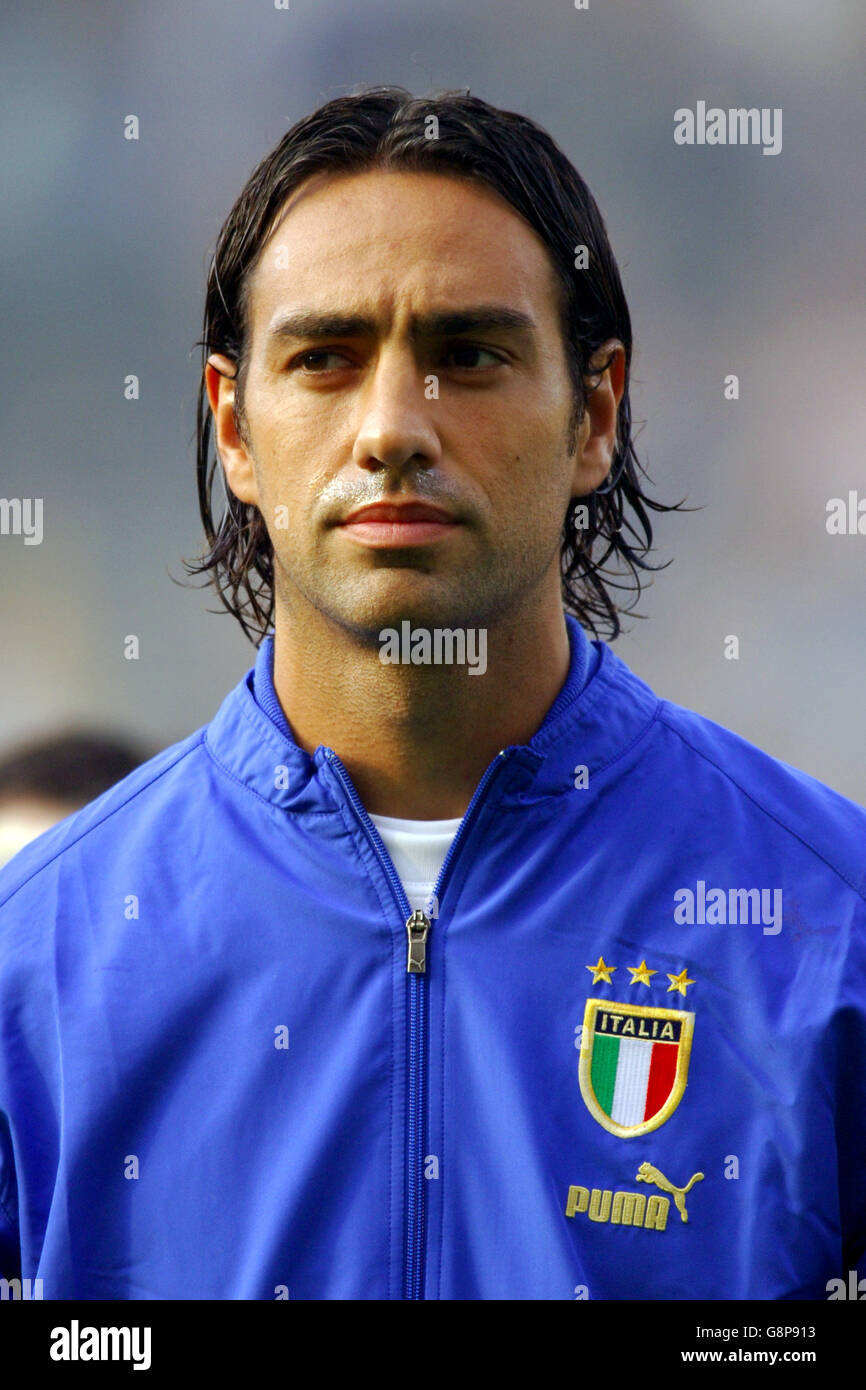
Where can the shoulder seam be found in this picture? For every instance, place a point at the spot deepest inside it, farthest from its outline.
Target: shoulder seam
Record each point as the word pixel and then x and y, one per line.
pixel 108 814
pixel 855 887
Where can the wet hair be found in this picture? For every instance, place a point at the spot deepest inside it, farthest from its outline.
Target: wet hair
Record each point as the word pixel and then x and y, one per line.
pixel 386 128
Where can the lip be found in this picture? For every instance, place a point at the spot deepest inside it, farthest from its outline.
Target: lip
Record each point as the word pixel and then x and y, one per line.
pixel 399 513
pixel 390 525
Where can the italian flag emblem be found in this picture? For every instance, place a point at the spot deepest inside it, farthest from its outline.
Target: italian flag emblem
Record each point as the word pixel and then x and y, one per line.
pixel 634 1063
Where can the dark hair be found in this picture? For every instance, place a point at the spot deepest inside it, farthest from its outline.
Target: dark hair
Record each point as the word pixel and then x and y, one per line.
pixel 387 128
pixel 71 766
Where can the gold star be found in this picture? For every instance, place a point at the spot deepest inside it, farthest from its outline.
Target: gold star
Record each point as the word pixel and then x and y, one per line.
pixel 601 971
pixel 680 982
pixel 640 975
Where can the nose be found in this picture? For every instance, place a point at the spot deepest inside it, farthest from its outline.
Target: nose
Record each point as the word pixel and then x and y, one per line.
pixel 396 426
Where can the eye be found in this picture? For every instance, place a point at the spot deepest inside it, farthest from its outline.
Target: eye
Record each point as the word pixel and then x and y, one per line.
pixel 467 355
pixel 319 360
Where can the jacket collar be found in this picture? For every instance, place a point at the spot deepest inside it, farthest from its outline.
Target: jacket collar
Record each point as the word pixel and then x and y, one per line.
pixel 600 711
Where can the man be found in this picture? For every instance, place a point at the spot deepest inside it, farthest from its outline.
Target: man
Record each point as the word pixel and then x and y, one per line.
pixel 47 778
pixel 448 961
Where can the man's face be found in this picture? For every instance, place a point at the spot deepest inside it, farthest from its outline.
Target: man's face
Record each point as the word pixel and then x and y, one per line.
pixel 405 347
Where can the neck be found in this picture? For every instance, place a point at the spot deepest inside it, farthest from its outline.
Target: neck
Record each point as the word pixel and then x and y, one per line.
pixel 416 739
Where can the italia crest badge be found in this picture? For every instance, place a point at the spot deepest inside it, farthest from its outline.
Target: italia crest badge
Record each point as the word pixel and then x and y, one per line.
pixel 634 1064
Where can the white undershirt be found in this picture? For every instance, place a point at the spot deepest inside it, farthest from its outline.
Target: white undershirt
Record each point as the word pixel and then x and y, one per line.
pixel 417 849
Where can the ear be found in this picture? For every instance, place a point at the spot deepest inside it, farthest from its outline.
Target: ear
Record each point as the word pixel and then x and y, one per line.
pixel 596 442
pixel 220 381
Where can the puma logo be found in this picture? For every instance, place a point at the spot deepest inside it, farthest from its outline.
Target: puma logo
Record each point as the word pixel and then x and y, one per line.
pixel 647 1173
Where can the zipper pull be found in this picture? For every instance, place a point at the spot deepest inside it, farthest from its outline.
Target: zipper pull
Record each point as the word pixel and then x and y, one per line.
pixel 417 927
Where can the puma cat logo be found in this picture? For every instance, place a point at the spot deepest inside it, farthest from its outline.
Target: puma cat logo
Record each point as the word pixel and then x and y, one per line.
pixel 647 1173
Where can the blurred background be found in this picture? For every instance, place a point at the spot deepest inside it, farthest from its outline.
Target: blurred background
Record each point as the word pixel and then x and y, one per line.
pixel 733 262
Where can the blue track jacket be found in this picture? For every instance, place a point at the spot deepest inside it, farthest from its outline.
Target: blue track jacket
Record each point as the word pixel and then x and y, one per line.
pixel 632 1066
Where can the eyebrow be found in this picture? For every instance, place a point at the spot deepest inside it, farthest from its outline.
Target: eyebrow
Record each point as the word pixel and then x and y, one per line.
pixel 481 318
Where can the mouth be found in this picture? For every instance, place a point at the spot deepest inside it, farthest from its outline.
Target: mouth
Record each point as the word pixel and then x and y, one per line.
pixel 394 524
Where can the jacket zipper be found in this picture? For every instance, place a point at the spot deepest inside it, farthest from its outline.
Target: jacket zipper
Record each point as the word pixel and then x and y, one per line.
pixel 417 926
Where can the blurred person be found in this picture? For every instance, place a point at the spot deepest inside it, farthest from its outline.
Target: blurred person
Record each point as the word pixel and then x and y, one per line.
pixel 448 961
pixel 45 779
